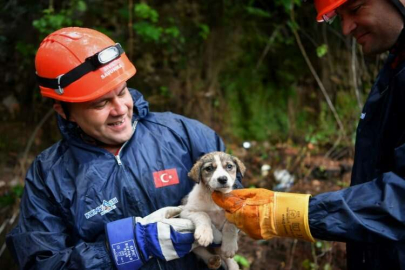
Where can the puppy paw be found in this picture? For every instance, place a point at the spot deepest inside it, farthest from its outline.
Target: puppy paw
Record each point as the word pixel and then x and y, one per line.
pixel 229 251
pixel 204 235
pixel 232 264
pixel 214 262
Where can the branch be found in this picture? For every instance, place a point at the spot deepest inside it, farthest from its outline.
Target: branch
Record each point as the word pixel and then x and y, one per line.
pixel 31 140
pixel 314 73
pixel 267 48
pixel 356 89
pixel 130 29
pixel 291 257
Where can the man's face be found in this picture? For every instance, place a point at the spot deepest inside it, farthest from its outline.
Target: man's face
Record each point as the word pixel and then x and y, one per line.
pixel 108 118
pixel 376 24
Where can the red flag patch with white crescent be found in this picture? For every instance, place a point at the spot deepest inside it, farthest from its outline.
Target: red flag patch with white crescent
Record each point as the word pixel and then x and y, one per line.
pixel 165 178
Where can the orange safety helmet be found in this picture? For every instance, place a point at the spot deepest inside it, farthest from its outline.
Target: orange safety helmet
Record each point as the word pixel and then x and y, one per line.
pixel 326 9
pixel 79 64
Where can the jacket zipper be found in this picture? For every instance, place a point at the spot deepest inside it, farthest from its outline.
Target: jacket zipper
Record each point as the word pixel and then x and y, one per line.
pixel 117 156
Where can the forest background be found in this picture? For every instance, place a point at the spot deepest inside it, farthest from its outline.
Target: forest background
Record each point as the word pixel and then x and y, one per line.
pixel 283 91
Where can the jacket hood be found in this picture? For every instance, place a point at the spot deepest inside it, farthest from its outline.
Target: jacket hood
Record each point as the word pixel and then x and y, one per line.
pixel 141 109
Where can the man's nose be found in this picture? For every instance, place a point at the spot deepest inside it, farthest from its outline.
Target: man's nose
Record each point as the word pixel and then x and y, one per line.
pixel 119 107
pixel 348 25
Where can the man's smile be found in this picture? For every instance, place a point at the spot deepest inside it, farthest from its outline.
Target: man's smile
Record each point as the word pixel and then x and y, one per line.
pixel 117 123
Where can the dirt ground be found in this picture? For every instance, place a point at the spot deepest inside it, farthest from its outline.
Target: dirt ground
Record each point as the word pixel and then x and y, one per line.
pixel 280 253
pixel 313 173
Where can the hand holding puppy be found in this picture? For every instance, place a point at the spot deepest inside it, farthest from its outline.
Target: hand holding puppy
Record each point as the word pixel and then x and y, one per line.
pixel 263 214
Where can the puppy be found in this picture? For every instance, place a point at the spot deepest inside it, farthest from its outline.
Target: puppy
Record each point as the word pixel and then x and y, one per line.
pixel 215 171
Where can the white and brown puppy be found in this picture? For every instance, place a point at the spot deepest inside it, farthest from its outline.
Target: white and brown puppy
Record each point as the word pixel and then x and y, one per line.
pixel 215 171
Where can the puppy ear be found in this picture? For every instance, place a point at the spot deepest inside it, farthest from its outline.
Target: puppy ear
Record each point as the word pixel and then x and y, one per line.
pixel 195 172
pixel 240 165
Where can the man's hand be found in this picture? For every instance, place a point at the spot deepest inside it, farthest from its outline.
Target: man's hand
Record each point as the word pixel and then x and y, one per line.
pixel 134 240
pixel 263 214
pixel 161 235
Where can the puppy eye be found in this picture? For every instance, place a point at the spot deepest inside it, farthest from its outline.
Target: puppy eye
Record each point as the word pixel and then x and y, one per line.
pixel 229 166
pixel 209 168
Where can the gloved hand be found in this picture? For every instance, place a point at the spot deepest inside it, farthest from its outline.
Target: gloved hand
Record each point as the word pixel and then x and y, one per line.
pixel 134 240
pixel 263 214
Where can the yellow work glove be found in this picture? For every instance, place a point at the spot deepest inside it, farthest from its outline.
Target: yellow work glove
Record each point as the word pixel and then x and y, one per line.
pixel 263 214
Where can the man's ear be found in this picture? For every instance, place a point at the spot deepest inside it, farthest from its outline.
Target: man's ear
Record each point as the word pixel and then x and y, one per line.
pixel 58 108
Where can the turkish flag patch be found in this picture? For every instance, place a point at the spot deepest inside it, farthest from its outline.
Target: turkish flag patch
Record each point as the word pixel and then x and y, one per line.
pixel 165 178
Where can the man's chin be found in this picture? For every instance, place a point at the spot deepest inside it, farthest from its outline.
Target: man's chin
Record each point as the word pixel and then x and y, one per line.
pixel 118 140
pixel 373 51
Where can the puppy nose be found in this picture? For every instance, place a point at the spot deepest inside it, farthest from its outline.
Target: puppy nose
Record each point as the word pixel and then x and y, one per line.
pixel 222 179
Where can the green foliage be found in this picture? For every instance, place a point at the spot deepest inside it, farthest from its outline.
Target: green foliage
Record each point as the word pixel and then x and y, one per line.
pixel 257 12
pixel 164 91
pixel 244 51
pixel 288 4
pixel 172 31
pixel 18 191
pixel 81 6
pixel 148 29
pixel 326 122
pixel 293 25
pixel 27 51
pixel 258 97
pixel 11 196
pixel 242 261
pixel 343 184
pixel 324 127
pixel 257 110
pixel 327 266
pixel 204 30
pixel 322 50
pixel 51 20
pixel 348 110
pixel 143 11
pixel 308 265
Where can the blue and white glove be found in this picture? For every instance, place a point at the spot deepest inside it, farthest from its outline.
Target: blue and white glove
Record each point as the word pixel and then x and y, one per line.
pixel 133 241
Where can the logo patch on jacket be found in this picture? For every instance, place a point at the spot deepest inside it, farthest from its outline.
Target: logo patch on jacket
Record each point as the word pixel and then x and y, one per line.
pixel 165 178
pixel 104 208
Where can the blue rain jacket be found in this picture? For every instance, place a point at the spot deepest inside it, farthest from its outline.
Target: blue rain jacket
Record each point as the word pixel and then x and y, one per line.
pixel 370 215
pixel 74 188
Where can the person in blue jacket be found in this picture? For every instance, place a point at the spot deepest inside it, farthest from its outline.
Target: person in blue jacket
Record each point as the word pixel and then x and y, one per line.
pixel 106 195
pixel 369 215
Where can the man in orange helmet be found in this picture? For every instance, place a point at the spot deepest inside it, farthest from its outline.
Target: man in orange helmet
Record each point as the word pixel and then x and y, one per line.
pixel 369 215
pixel 103 196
